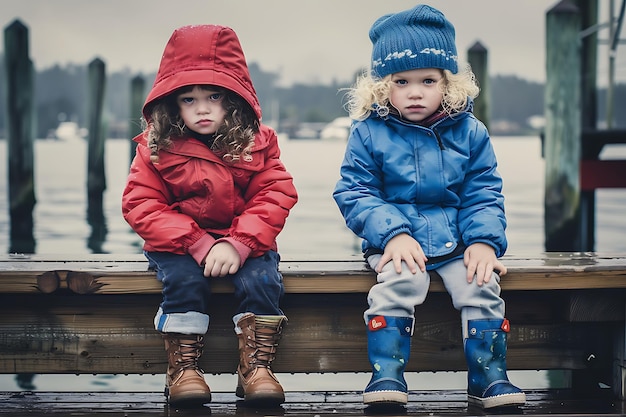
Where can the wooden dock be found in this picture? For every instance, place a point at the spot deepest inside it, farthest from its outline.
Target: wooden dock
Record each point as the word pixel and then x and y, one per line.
pixel 93 315
pixel 421 403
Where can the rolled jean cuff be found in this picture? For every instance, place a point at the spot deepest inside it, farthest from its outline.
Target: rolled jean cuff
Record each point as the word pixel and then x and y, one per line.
pixel 190 322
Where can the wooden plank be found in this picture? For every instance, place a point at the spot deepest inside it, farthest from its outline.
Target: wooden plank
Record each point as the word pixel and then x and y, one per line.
pixel 94 314
pixel 540 402
pixel 593 140
pixel 114 274
pixel 599 305
pixel 66 333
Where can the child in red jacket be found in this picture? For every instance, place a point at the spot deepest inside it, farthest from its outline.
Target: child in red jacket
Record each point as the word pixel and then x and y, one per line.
pixel 208 194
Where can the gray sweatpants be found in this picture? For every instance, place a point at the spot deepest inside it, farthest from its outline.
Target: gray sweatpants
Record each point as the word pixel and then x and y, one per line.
pixel 398 294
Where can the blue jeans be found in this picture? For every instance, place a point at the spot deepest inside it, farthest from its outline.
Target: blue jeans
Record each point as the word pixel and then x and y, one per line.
pixel 187 292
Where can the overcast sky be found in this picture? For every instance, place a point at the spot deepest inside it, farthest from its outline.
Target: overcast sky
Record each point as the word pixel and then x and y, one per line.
pixel 304 41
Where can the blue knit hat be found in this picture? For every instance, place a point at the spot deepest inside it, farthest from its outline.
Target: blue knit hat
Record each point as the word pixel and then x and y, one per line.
pixel 420 37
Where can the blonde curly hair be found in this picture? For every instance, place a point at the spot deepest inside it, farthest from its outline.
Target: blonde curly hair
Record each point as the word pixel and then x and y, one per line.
pixel 233 140
pixel 370 92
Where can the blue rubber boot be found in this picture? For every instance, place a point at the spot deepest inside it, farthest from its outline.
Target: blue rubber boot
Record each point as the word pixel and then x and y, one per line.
pixel 485 351
pixel 388 349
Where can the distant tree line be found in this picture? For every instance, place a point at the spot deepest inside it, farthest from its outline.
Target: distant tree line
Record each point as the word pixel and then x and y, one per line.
pixel 61 95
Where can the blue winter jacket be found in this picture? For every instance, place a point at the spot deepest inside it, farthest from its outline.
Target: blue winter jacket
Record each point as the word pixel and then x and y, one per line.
pixel 438 184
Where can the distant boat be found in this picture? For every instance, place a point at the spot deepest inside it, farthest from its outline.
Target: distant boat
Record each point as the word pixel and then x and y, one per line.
pixel 69 132
pixel 338 129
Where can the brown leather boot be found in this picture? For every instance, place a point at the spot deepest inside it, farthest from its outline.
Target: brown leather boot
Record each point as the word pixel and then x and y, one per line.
pixel 184 382
pixel 258 341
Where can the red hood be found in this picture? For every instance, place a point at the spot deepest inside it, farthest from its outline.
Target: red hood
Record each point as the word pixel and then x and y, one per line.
pixel 203 54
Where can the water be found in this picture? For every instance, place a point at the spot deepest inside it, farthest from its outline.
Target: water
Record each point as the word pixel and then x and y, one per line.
pixel 314 230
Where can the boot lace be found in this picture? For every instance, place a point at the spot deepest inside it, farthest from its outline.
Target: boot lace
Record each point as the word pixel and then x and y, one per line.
pixel 188 353
pixel 266 338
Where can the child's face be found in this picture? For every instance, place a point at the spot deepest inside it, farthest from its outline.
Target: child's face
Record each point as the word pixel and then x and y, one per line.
pixel 415 93
pixel 201 109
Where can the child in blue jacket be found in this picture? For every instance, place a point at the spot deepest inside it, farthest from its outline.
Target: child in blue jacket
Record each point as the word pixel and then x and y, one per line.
pixel 419 185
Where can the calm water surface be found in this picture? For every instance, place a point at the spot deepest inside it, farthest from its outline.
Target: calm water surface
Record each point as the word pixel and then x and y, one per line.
pixel 314 230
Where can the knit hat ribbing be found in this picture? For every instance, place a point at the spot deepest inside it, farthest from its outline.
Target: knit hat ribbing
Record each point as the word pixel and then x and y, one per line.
pixel 420 37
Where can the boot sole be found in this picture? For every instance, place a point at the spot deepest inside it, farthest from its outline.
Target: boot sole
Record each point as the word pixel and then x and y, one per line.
pixel 264 400
pixel 385 397
pixel 192 400
pixel 504 400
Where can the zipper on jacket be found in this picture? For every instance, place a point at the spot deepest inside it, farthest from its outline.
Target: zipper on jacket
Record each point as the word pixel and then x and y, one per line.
pixel 430 128
pixel 439 141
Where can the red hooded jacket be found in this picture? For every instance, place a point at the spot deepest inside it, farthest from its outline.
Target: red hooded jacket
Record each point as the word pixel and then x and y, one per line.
pixel 191 198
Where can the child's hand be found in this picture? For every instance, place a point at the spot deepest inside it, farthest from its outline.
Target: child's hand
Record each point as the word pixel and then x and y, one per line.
pixel 403 248
pixel 222 260
pixel 480 260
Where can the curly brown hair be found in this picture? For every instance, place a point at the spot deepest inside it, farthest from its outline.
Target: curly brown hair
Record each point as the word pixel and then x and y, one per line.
pixel 233 140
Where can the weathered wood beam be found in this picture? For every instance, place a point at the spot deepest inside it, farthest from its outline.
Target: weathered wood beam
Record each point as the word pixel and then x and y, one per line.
pixel 115 274
pixel 326 333
pixel 94 314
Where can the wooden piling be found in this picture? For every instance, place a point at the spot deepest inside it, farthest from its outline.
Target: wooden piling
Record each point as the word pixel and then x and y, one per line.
pixel 137 87
pixel 96 179
pixel 20 119
pixel 589 100
pixel 478 58
pixel 562 144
